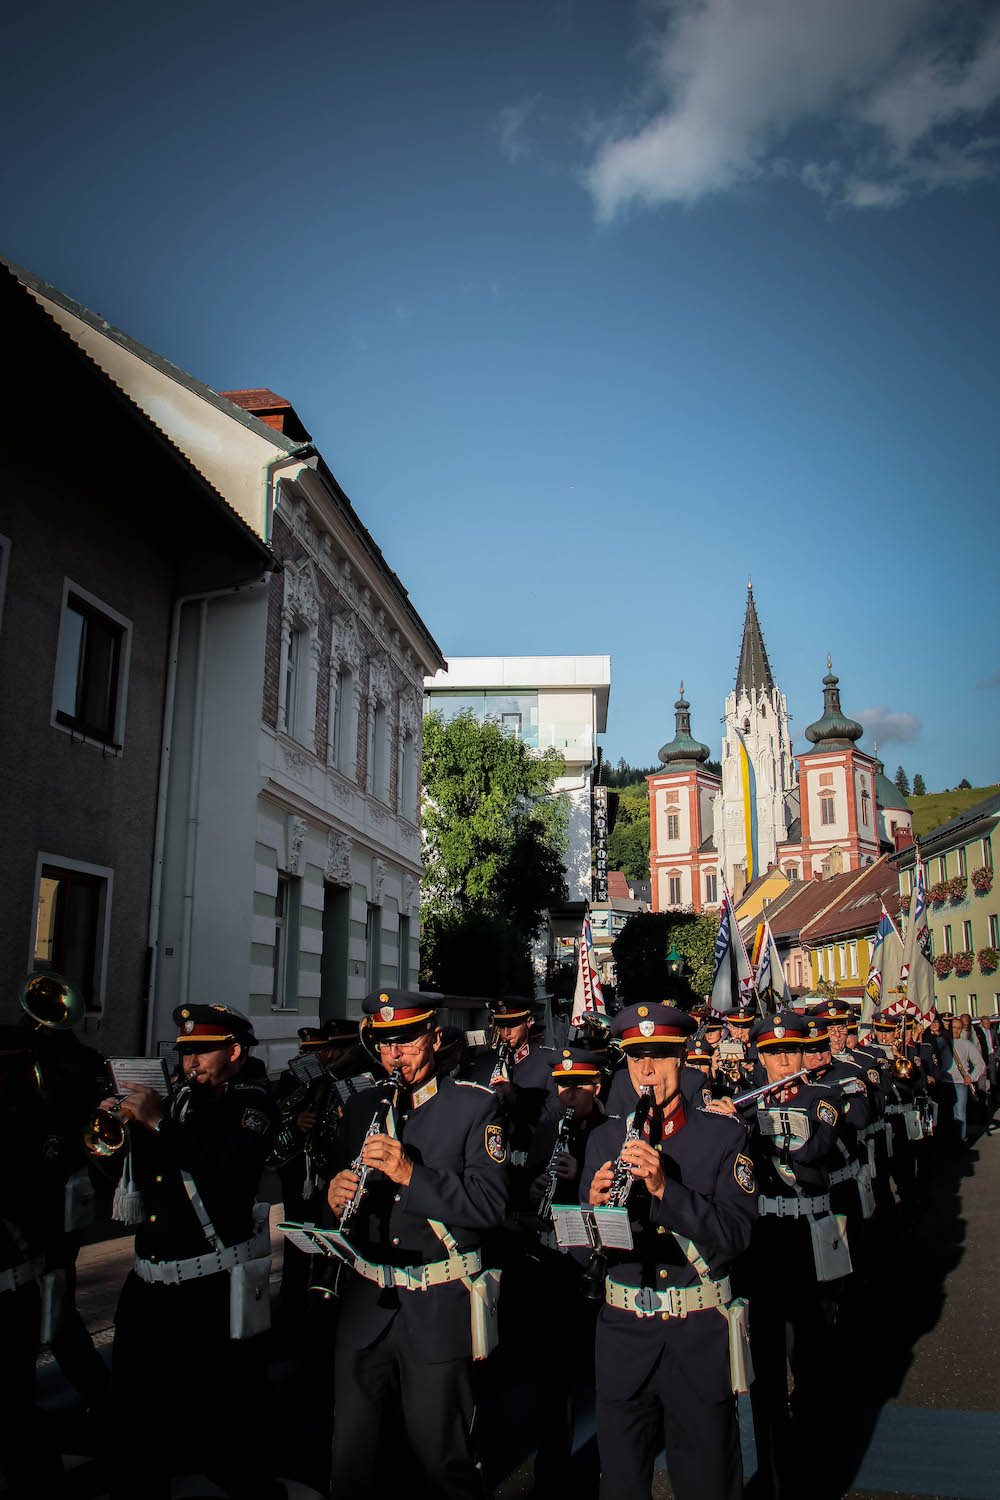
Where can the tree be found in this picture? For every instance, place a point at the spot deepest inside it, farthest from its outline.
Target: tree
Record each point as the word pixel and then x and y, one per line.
pixel 640 952
pixel 919 790
pixel 494 840
pixel 902 782
pixel 628 843
pixel 964 785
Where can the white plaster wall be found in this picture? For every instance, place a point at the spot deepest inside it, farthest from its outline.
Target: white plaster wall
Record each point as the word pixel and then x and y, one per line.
pixel 840 828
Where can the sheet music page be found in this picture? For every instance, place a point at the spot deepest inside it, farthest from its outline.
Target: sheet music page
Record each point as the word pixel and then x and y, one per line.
pixel 614 1228
pixel 152 1071
pixel 570 1225
pixel 302 1239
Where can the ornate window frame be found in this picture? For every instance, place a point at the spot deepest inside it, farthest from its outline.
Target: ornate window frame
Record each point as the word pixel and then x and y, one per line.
pixel 345 652
pixel 407 778
pixel 300 612
pixel 379 695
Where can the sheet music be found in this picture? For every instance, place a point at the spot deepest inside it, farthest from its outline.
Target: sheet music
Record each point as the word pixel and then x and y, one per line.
pixel 152 1071
pixel 306 1068
pixel 302 1239
pixel 571 1226
pixel 614 1228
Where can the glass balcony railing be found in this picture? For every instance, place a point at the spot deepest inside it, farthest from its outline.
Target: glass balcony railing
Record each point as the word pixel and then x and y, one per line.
pixel 574 740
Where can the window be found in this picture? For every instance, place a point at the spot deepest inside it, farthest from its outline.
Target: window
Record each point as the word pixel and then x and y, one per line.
pixel 404 952
pixel 293 689
pixel 820 969
pixel 994 931
pixel 711 888
pixel 512 723
pixel 285 973
pixel 379 770
pixel 973 1005
pixel 408 778
pixel 335 958
pixel 71 924
pixel 827 812
pixel 91 668
pixel 792 872
pixel 948 947
pixel 342 721
pixel 373 946
pixel 952 1003
pixel 866 807
pixel 842 958
pixel 673 826
pixel 852 952
pixel 943 867
pixel 962 867
pixel 675 890
pixel 988 853
pixel 967 935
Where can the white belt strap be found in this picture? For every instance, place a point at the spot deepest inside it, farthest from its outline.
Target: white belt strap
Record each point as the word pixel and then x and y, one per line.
pixel 672 1302
pixel 793 1208
pixel 420 1278
pixel 173 1272
pixel 200 1210
pixel 21 1275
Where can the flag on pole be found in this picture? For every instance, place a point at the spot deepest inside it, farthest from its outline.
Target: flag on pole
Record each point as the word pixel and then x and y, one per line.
pixel 748 783
pixel 732 979
pixel 768 970
pixel 887 955
pixel 916 970
pixel 588 998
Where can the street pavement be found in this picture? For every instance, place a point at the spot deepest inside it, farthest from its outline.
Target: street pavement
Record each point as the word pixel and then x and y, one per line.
pixel 914 1397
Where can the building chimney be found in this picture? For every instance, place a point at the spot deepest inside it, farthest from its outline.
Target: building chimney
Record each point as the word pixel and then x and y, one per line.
pixel 903 838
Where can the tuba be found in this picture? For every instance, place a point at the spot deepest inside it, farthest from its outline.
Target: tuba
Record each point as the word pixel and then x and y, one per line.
pixel 52 1001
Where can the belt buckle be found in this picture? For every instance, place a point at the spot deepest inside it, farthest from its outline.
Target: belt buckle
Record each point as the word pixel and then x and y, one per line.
pixel 387 1279
pixel 646 1302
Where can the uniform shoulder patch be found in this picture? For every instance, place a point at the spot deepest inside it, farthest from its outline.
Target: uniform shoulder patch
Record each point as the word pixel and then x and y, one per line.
pixel 826 1112
pixel 706 1096
pixel 744 1173
pixel 496 1146
pixel 467 1083
pixel 255 1121
pixel 874 1076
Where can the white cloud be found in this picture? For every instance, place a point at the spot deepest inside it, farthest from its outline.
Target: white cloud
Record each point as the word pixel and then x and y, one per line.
pixel 886 727
pixel 512 128
pixel 735 80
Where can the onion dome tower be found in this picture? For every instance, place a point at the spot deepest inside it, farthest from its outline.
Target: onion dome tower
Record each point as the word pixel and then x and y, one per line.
pixel 834 731
pixel 683 753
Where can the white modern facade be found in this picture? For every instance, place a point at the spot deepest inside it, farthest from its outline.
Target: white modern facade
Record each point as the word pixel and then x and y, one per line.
pixel 559 701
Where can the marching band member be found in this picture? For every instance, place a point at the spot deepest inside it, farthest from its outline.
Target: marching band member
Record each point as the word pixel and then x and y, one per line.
pixel 436 1182
pixel 518 1069
pixel 196 1299
pixel 663 1336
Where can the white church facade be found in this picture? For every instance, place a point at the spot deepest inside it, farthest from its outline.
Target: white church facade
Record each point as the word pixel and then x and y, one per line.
pixel 816 814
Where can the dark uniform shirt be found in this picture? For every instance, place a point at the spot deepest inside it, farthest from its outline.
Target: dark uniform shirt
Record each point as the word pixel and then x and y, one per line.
pixel 222 1141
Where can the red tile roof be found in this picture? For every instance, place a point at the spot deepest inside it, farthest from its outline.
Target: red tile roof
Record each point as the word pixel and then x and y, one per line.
pixel 617 886
pixel 857 909
pixel 803 901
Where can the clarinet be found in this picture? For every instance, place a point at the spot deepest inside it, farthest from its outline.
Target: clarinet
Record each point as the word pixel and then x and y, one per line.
pixel 622 1182
pixel 361 1168
pixel 501 1072
pixel 561 1145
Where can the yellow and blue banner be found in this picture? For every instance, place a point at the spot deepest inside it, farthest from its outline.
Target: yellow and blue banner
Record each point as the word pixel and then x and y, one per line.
pixel 748 781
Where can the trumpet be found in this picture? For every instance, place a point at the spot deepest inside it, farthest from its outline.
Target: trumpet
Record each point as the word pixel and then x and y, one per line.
pixel 106 1132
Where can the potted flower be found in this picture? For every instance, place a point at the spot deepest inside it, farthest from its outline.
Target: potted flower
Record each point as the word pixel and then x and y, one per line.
pixel 957 887
pixel 982 880
pixel 943 965
pixel 964 962
pixel 938 894
pixel 989 959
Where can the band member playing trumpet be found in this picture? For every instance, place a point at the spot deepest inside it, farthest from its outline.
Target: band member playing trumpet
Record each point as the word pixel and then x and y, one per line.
pixel 202 1257
pixel 663 1336
pixel 436 1182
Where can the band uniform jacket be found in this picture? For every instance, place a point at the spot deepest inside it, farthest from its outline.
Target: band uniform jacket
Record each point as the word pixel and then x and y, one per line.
pixel 710 1199
pixel 457 1142
pixel 222 1141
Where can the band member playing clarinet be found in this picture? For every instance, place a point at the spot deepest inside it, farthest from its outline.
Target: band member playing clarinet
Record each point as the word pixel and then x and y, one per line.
pixel 663 1337
pixel 435 1181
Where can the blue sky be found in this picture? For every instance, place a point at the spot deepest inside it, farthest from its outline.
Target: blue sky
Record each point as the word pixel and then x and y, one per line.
pixel 593 307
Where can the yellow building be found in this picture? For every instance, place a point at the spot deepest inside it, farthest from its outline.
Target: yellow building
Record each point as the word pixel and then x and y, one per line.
pixel 963 907
pixel 760 893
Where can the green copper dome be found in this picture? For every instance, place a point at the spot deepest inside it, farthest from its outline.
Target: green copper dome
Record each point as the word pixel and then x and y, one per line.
pixel 887 793
pixel 834 731
pixel 683 753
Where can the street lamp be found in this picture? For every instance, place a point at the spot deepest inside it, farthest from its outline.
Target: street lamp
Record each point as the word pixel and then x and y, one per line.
pixel 675 963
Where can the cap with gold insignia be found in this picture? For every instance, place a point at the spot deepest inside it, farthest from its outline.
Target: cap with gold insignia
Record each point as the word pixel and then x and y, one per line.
pixel 202 1028
pixel 699 1055
pixel 654 1027
pixel 744 1014
pixel 833 1012
pixel 510 1010
pixel 332 1033
pixel 399 1015
pixel 817 1034
pixel 883 1022
pixel 785 1030
pixel 575 1065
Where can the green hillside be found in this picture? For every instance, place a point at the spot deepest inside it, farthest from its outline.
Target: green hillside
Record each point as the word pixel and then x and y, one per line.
pixel 935 808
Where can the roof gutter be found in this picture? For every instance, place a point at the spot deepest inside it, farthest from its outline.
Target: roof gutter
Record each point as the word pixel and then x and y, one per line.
pixel 300 454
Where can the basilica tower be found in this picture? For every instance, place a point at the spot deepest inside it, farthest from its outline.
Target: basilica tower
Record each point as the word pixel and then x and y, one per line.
pixel 756 807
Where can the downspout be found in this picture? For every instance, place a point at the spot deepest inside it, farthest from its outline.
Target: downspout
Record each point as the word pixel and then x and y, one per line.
pixel 166 751
pixel 297 455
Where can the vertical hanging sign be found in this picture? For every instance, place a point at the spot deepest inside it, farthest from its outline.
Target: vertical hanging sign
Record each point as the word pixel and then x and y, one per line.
pixel 600 821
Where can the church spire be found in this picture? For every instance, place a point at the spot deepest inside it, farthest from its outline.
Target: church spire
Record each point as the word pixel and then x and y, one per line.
pixel 683 752
pixel 754 672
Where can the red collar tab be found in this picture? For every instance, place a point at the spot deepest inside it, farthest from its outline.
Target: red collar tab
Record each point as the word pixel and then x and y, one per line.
pixel 522 1052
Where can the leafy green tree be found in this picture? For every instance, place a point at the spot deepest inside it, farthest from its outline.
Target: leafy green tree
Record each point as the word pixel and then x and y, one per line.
pixel 494 840
pixel 902 782
pixel 964 785
pixel 640 952
pixel 628 850
pixel 919 790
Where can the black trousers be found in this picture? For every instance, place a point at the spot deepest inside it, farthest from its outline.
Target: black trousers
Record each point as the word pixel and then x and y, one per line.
pixel 26 1460
pixel 437 1410
pixel 173 1354
pixel 682 1403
